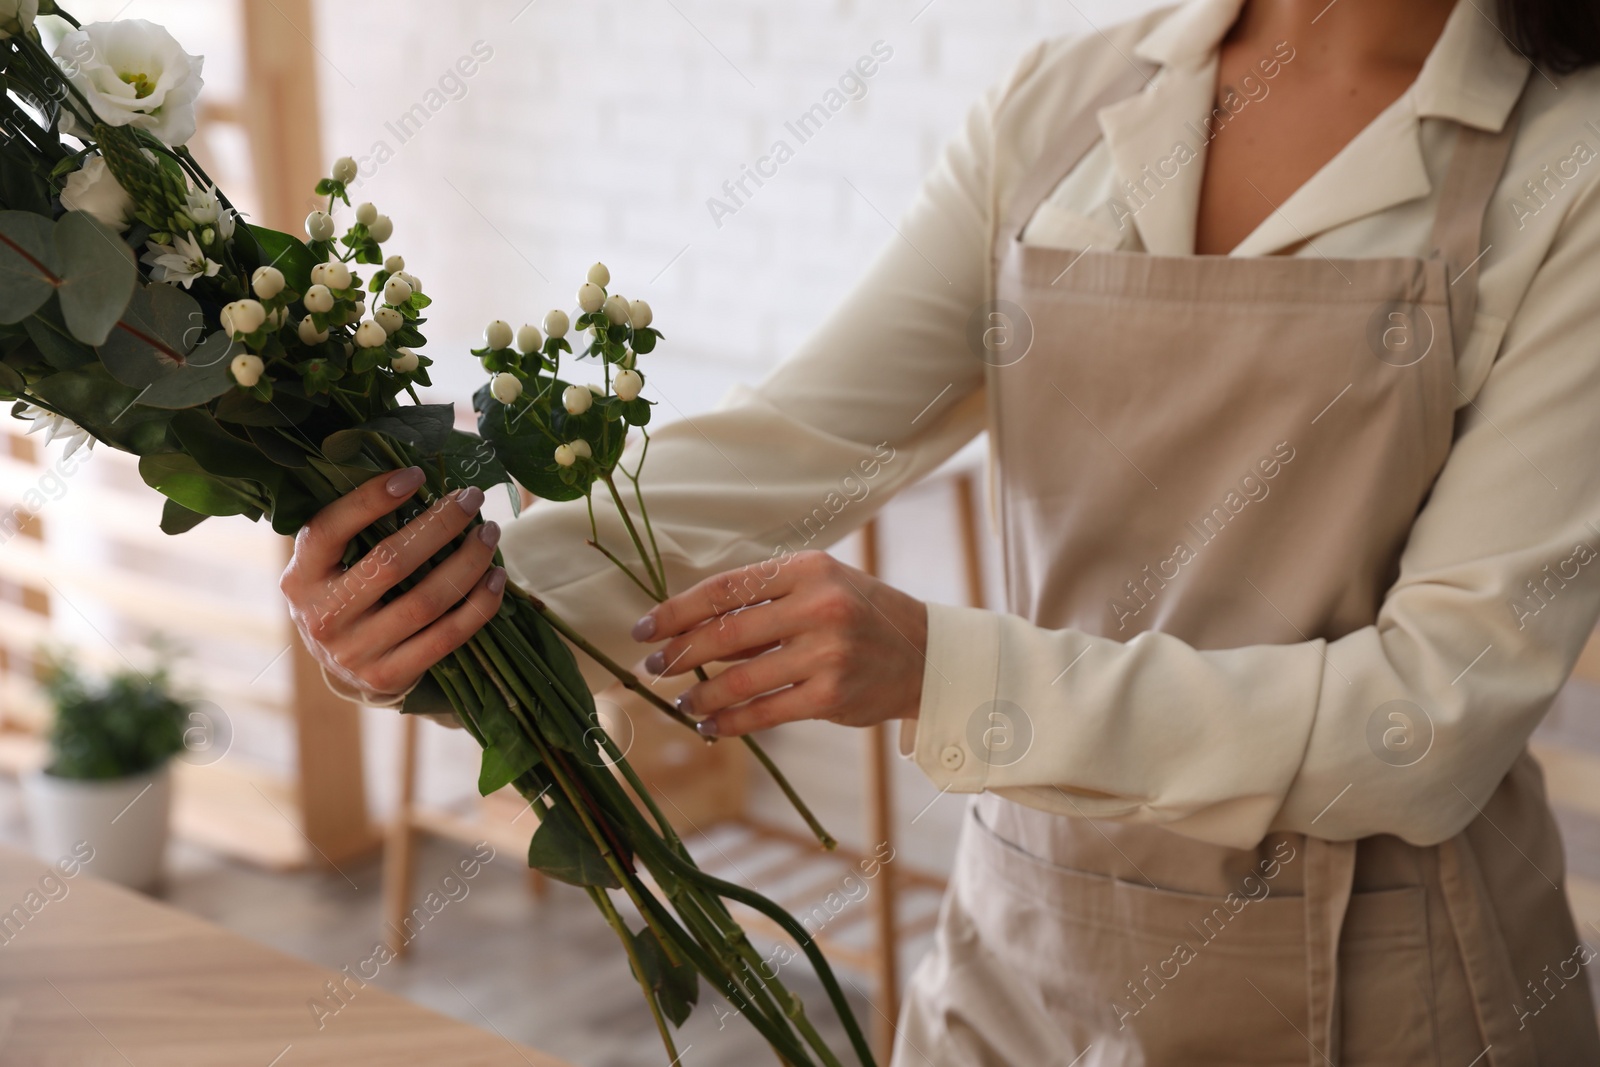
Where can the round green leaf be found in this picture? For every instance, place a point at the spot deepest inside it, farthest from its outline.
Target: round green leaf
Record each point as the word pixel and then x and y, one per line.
pixel 201 378
pixel 28 267
pixel 158 327
pixel 98 275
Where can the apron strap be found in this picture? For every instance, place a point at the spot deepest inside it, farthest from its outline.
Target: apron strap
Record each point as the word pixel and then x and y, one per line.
pixel 1476 166
pixel 1063 154
pixel 1329 875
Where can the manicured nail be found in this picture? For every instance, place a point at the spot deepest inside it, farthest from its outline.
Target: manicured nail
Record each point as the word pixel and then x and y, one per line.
pixel 470 499
pixel 489 533
pixel 406 482
pixel 497 580
pixel 656 661
pixel 685 702
pixel 708 728
pixel 645 628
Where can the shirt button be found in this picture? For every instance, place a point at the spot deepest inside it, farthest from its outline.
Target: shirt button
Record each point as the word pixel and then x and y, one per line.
pixel 952 757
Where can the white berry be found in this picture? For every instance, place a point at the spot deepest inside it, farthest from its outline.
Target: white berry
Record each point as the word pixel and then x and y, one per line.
pixel 247 369
pixel 576 399
pixel 640 315
pixel 505 387
pixel 319 298
pixel 267 282
pixel 497 335
pixel 627 384
pixel 405 362
pixel 319 226
pixel 599 275
pixel 556 324
pixel 309 334
pixel 565 456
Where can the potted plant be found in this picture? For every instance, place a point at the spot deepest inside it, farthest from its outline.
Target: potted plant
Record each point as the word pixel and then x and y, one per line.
pixel 107 780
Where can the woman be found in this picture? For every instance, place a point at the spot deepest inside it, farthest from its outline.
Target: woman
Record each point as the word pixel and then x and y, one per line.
pixel 1281 316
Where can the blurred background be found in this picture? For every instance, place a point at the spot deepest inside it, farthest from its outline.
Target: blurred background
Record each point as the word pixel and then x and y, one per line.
pixel 514 143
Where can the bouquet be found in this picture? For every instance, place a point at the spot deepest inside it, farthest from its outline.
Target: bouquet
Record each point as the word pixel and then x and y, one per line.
pixel 244 369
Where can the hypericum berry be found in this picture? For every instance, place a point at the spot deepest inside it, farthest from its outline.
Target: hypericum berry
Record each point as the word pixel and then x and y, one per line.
pixel 345 170
pixel 599 275
pixel 333 274
pixel 366 214
pixel 394 264
pixel 497 335
pixel 640 315
pixel 556 324
pixel 591 297
pixel 381 228
pixel 412 280
pixel 242 317
pixel 319 298
pixel 576 399
pixel 529 339
pixel 276 319
pixel 267 282
pixel 565 456
pixel 396 291
pixel 247 369
pixel 581 448
pixel 405 362
pixel 390 319
pixel 309 334
pixel 616 310
pixel 370 335
pixel 505 387
pixel 627 384
pixel 319 226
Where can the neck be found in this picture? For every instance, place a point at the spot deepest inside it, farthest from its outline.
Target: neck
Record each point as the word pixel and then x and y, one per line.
pixel 1364 33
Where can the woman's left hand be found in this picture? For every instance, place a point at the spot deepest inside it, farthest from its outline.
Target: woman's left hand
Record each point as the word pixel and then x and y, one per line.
pixel 814 639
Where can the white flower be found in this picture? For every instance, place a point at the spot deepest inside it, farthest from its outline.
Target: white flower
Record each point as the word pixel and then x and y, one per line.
pixel 627 384
pixel 599 275
pixel 565 456
pixel 345 170
pixel 267 282
pixel 182 261
pixel 581 447
pixel 319 226
pixel 366 214
pixel 242 317
pixel 247 369
pixel 405 362
pixel 204 206
pixel 16 16
pixel 93 189
pixel 319 298
pixel 396 290
pixel 370 335
pixel 333 274
pixel 505 387
pixel 576 399
pixel 497 335
pixel 309 334
pixel 556 324
pixel 381 228
pixel 528 339
pixel 640 315
pixel 133 73
pixel 390 319
pixel 55 427
pixel 616 310
pixel 394 264
pixel 591 297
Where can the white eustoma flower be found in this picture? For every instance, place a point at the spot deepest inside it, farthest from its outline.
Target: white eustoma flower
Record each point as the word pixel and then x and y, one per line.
pixel 133 73
pixel 591 297
pixel 497 335
pixel 580 447
pixel 396 290
pixel 319 226
pixel 345 170
pixel 93 189
pixel 505 387
pixel 309 334
pixel 56 428
pixel 627 384
pixel 528 339
pixel 565 456
pixel 405 362
pixel 394 264
pixel 16 16
pixel 243 316
pixel 319 298
pixel 381 228
pixel 247 369
pixel 333 274
pixel 182 261
pixel 370 335
pixel 390 319
pixel 576 399
pixel 640 315
pixel 556 324
pixel 267 282
pixel 599 275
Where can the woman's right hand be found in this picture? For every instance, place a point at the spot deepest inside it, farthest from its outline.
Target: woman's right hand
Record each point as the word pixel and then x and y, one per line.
pixel 378 649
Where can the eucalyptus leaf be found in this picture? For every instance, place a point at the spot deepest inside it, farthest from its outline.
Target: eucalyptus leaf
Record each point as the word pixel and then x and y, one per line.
pixel 28 264
pixel 201 378
pixel 562 849
pixel 162 324
pixel 49 335
pixel 98 275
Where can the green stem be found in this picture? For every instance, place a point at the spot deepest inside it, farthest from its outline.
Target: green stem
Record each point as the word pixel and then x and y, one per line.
pixel 659 580
pixel 609 910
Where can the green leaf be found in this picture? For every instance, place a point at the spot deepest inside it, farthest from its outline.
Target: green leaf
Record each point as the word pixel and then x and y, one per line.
pixel 677 989
pixel 49 334
pixel 562 849
pixel 288 407
pixel 277 446
pixel 28 264
pixel 470 460
pixel 509 754
pixel 98 275
pixel 163 322
pixel 202 377
pixel 180 477
pixel 527 454
pixel 423 426
pixel 217 450
pixel 177 519
pixel 288 253
pixel 11 383
pixel 22 187
pixel 106 408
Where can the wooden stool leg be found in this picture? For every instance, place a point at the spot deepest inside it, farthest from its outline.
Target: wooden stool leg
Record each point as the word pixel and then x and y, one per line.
pixel 397 849
pixel 880 835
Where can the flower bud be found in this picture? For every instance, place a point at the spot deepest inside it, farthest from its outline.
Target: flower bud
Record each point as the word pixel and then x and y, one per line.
pixel 505 387
pixel 309 334
pixel 345 170
pixel 242 317
pixel 627 384
pixel 497 335
pixel 267 282
pixel 616 310
pixel 366 214
pixel 319 298
pixel 591 297
pixel 396 291
pixel 319 226
pixel 333 274
pixel 580 447
pixel 390 319
pixel 394 264
pixel 640 315
pixel 576 399
pixel 529 339
pixel 247 369
pixel 556 324
pixel 565 456
pixel 405 362
pixel 381 228
pixel 599 275
pixel 370 335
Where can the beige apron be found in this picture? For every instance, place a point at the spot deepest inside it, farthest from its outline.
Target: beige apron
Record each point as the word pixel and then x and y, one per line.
pixel 1261 413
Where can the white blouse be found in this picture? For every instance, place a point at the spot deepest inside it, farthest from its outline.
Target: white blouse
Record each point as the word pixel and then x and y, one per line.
pixel 1499 585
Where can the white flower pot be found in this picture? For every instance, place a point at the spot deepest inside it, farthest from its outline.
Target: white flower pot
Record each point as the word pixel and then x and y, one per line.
pixel 123 819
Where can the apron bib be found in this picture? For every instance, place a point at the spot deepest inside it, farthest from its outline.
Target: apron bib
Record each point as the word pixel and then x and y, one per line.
pixel 1233 450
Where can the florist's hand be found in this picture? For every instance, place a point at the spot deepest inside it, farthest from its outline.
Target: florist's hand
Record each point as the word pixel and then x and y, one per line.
pixel 816 639
pixel 382 649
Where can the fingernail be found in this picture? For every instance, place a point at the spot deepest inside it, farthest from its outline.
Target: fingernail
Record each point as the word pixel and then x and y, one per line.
pixel 708 728
pixel 645 628
pixel 685 702
pixel 489 533
pixel 655 661
pixel 497 579
pixel 406 482
pixel 470 499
